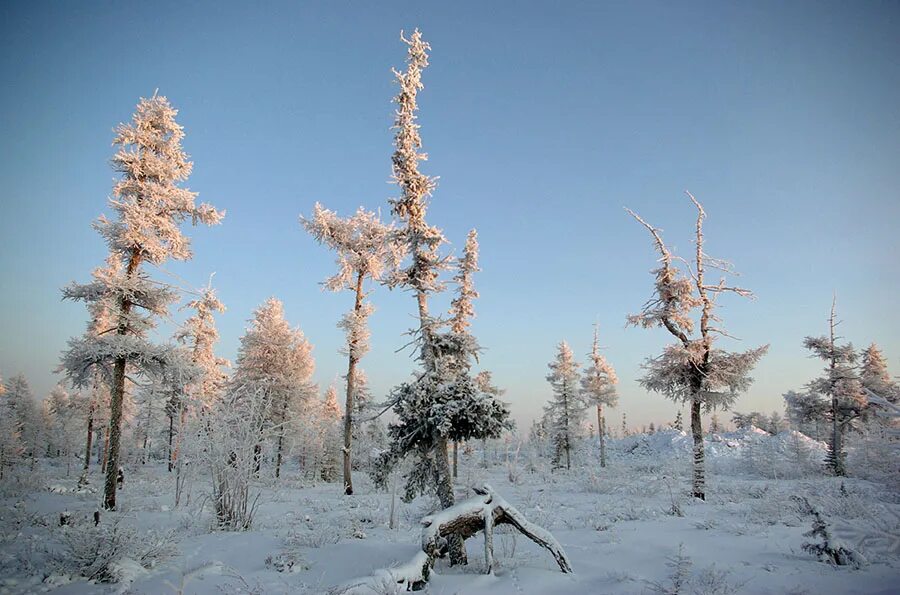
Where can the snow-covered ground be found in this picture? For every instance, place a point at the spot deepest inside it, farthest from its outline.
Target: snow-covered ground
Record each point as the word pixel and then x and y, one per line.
pixel 628 528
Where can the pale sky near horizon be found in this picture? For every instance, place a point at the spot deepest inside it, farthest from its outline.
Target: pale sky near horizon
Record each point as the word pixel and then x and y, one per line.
pixel 542 120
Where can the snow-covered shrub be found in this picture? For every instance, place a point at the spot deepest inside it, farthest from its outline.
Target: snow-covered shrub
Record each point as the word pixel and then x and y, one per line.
pixel 108 552
pixel 233 434
pixel 679 565
pixel 831 549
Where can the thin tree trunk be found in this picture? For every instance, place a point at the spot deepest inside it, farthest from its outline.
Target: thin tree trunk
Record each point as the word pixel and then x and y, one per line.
pixel 101 450
pixel 699 483
pixel 87 449
pixel 171 452
pixel 117 397
pixel 837 454
pixel 278 454
pixel 600 432
pixel 455 459
pixel 351 389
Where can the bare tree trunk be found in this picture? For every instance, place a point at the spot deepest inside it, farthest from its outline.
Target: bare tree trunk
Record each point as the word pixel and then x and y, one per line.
pixel 87 449
pixel 351 388
pixel 455 459
pixel 837 449
pixel 171 453
pixel 698 486
pixel 602 438
pixel 278 454
pixel 111 460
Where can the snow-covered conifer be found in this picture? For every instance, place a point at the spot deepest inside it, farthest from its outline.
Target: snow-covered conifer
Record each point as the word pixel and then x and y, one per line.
pixel 807 413
pixel 598 388
pixel 25 414
pixel 692 370
pixel 276 361
pixel 365 248
pixel 678 424
pixel 566 409
pixel 150 206
pixel 200 333
pixel 841 385
pixel 331 434
pixel 874 374
pixel 461 308
pixel 10 436
pixel 443 403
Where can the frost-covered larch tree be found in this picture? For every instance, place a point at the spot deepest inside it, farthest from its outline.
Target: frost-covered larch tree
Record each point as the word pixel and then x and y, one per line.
pixel 841 385
pixel 693 370
pixel 461 307
pixel 10 438
pixel 566 409
pixel 598 388
pixel 275 360
pixel 95 402
pixel 365 249
pixel 874 374
pixel 150 206
pixel 199 333
pixel 443 403
pixel 23 410
pixel 331 434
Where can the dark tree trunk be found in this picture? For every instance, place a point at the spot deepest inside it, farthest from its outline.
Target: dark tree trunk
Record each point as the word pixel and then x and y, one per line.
pixel 698 486
pixel 117 397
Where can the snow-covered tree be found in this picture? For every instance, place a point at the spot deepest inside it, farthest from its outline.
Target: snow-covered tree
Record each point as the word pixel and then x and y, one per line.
pixel 23 410
pixel 11 447
pixel 678 424
pixel 276 361
pixel 566 409
pixel 807 413
pixel 461 308
pixel 598 388
pixel 693 370
pixel 714 427
pixel 62 423
pixel 331 435
pixel 365 248
pixel 841 385
pixel 443 403
pixel 874 374
pixel 151 206
pixel 200 334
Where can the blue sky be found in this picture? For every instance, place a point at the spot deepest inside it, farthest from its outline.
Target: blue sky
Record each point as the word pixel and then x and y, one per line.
pixel 542 120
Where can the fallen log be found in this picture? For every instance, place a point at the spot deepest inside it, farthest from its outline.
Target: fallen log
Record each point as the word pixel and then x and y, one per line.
pixel 482 512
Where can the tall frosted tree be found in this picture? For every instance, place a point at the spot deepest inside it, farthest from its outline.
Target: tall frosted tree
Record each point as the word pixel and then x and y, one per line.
pixel 840 385
pixel 276 361
pixel 22 409
pixel 692 370
pixel 365 250
pixel 461 307
pixel 874 374
pixel 443 403
pixel 598 388
pixel 10 437
pixel 565 411
pixel 199 333
pixel 150 207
